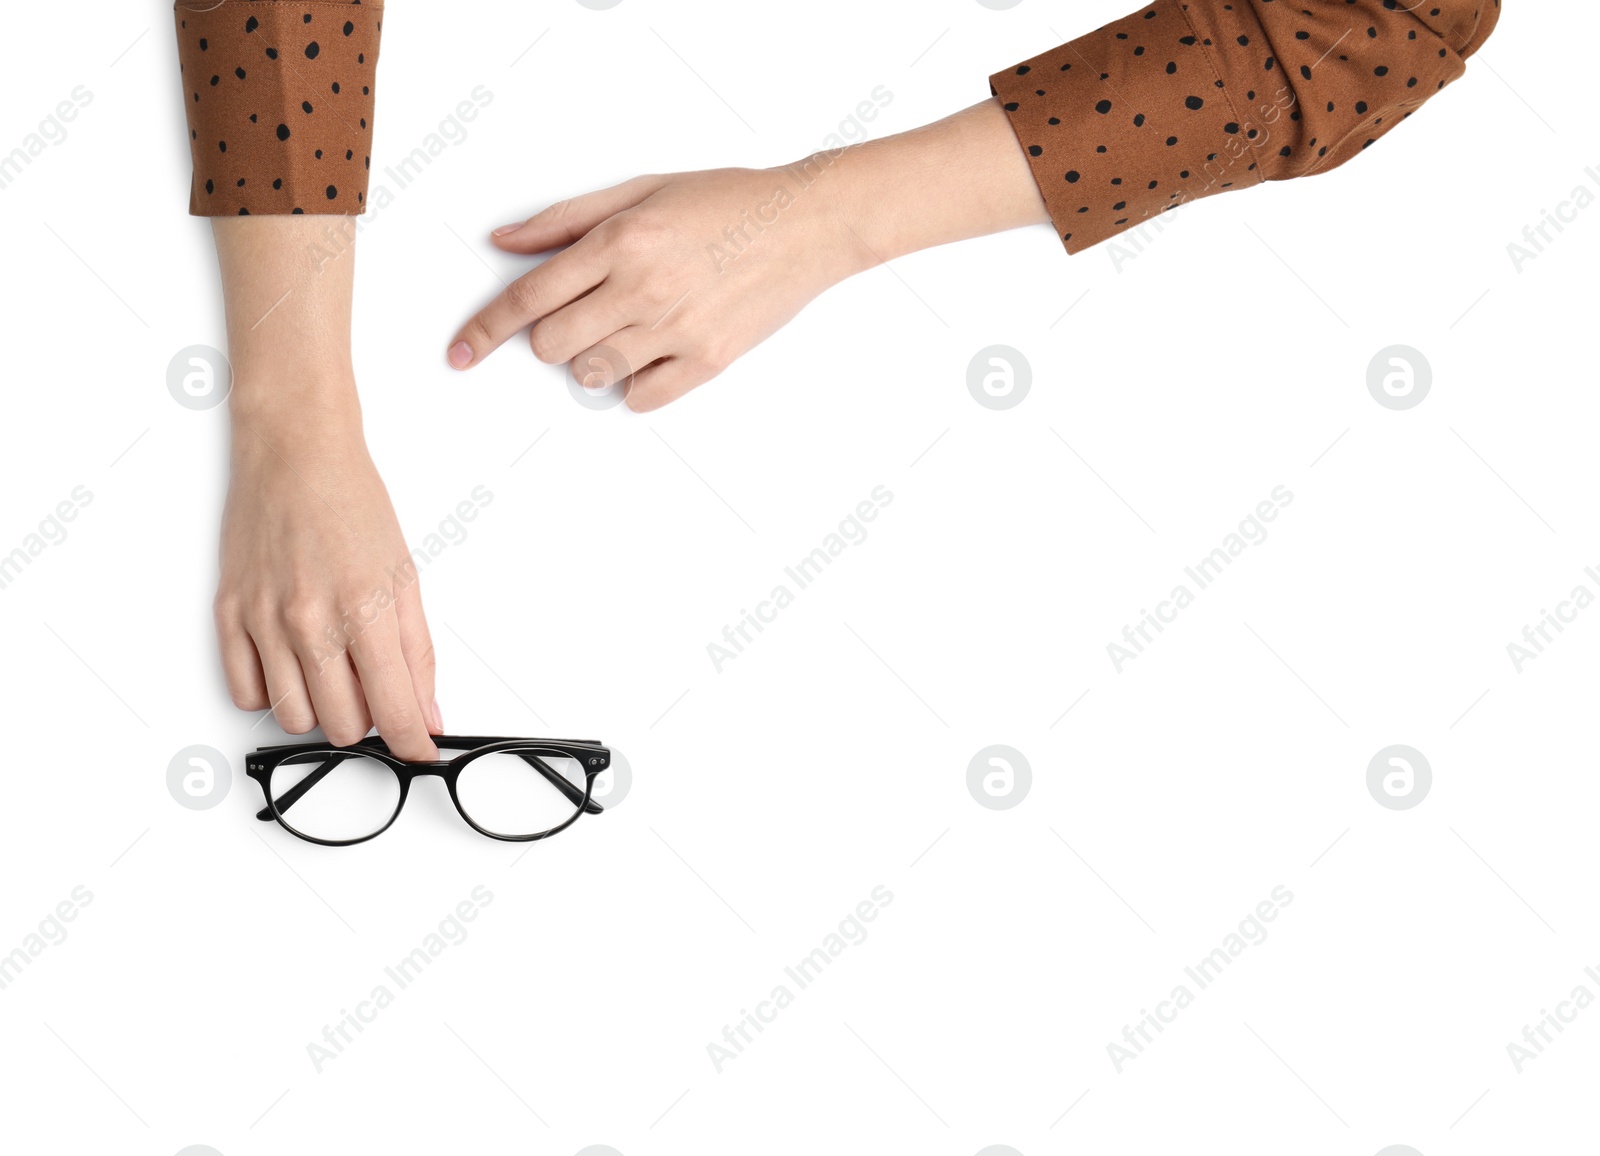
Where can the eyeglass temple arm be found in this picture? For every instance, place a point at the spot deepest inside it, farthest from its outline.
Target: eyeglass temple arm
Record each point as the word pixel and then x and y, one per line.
pixel 294 794
pixel 561 783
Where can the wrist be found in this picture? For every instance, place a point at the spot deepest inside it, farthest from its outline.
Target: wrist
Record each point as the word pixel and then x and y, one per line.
pixel 310 403
pixel 850 186
pixel 962 177
pixel 873 200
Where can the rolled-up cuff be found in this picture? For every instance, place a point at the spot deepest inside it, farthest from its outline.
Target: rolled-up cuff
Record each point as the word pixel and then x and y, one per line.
pixel 1183 99
pixel 280 102
pixel 1124 124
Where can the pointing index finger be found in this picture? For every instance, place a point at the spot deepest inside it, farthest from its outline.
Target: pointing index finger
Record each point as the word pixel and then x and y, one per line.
pixel 563 278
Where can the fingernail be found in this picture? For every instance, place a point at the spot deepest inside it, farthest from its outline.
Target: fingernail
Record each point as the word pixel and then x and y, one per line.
pixel 460 355
pixel 438 719
pixel 504 229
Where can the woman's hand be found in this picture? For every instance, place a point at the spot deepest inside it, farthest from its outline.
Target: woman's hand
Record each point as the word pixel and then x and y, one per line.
pixel 318 610
pixel 668 278
pixel 672 278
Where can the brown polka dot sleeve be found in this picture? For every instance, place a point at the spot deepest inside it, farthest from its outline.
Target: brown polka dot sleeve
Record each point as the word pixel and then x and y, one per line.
pixel 279 98
pixel 1182 100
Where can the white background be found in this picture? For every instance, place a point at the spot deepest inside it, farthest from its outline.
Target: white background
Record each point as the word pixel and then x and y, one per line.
pixel 772 797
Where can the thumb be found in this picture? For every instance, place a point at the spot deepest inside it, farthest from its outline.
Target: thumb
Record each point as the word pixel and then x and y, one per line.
pixel 566 222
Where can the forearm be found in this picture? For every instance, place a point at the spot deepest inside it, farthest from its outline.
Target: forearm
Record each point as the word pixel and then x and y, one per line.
pixel 288 316
pixel 958 178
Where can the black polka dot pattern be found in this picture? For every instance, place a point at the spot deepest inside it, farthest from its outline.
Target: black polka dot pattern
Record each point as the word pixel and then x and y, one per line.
pixel 279 100
pixel 1181 100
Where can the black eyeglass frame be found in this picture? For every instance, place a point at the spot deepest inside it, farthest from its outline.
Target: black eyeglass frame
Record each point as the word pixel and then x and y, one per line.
pixel 589 753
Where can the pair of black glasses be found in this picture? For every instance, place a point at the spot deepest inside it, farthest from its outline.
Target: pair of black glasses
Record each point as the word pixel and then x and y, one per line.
pixel 513 789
